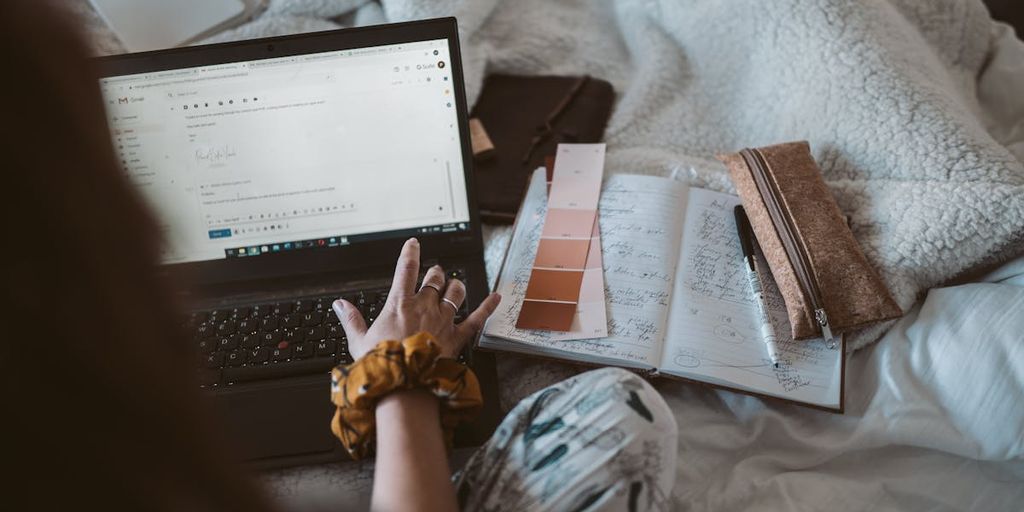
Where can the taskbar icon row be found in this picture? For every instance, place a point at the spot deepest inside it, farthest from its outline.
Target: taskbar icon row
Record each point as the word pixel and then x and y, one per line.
pixel 256 250
pixel 339 241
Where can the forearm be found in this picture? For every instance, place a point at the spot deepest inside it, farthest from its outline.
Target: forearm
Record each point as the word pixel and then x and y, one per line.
pixel 412 470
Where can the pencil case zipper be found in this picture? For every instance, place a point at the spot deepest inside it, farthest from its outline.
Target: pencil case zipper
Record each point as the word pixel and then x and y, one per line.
pixel 786 229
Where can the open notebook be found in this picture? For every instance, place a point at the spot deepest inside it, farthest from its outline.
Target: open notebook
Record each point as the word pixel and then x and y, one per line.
pixel 678 302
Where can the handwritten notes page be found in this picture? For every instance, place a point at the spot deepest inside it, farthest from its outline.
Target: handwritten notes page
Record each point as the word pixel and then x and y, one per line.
pixel 712 333
pixel 640 223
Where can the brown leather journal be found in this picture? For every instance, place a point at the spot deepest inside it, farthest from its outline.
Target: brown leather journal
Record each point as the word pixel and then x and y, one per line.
pixel 526 117
pixel 827 283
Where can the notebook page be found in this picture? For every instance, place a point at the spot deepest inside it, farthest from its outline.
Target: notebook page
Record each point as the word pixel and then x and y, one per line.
pixel 640 227
pixel 713 332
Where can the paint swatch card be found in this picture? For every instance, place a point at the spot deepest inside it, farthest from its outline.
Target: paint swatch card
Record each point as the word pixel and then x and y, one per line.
pixel 591 319
pixel 557 280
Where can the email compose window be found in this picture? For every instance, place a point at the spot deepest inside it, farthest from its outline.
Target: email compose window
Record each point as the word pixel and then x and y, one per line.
pixel 278 154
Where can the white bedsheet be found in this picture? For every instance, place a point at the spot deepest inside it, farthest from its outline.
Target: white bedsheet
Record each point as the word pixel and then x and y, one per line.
pixel 934 420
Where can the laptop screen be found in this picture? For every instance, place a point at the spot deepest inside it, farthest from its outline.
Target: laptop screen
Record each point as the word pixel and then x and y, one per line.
pixel 302 152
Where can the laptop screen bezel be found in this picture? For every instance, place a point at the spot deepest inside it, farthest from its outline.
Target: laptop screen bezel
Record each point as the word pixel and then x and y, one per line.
pixel 434 246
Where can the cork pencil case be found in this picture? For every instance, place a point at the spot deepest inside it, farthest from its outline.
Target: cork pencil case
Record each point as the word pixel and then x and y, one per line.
pixel 828 285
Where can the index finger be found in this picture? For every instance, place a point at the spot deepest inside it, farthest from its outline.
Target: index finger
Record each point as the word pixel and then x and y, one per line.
pixel 474 323
pixel 406 270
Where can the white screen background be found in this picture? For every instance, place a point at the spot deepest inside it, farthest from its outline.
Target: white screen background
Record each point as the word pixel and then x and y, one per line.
pixel 339 143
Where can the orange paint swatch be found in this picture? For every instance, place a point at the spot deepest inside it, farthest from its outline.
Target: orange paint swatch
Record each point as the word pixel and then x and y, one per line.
pixel 562 254
pixel 553 316
pixel 567 223
pixel 555 285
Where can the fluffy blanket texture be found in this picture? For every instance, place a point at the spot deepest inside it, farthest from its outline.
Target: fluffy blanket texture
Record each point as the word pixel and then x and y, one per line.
pixel 886 92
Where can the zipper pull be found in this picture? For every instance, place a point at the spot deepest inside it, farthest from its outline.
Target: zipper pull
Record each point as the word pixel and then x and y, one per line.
pixel 826 331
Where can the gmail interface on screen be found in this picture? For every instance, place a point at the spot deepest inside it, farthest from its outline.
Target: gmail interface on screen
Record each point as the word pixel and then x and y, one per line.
pixel 308 151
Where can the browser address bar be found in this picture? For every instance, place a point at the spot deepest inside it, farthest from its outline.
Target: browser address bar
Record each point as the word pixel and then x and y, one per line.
pixel 193 79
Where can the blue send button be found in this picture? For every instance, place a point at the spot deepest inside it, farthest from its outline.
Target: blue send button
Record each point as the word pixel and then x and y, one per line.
pixel 220 233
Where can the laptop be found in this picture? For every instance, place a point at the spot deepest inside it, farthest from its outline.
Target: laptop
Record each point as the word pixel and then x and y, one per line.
pixel 285 173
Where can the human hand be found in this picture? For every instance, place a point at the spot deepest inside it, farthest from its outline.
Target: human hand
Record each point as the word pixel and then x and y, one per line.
pixel 408 311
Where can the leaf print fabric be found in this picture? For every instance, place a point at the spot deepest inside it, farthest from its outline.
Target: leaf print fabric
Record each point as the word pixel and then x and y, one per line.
pixel 603 440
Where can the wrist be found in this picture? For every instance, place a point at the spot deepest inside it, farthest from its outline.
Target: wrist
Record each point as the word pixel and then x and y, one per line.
pixel 415 402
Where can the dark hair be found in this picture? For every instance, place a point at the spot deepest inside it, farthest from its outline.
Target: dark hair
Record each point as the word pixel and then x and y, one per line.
pixel 101 406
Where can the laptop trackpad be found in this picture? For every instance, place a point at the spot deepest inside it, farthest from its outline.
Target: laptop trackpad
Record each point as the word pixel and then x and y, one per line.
pixel 292 417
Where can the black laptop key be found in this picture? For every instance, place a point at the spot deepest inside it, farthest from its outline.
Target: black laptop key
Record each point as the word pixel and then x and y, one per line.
pixel 334 331
pixel 261 311
pixel 205 331
pixel 303 306
pixel 279 370
pixel 279 354
pixel 228 343
pixel 249 341
pixel 248 326
pixel 303 350
pixel 272 338
pixel 293 335
pixel 269 324
pixel 226 328
pixel 293 320
pixel 234 358
pixel 257 355
pixel 325 348
pixel 208 345
pixel 312 318
pixel 219 315
pixel 313 333
pixel 330 318
pixel 343 356
pixel 281 308
pixel 241 312
pixel 214 360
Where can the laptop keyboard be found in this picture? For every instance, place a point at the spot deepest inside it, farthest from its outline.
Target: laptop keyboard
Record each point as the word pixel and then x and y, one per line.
pixel 272 340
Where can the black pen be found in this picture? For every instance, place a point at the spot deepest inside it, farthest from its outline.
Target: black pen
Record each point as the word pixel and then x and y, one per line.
pixel 747 243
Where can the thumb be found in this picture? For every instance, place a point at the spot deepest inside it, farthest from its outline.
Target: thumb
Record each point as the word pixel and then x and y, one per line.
pixel 351 319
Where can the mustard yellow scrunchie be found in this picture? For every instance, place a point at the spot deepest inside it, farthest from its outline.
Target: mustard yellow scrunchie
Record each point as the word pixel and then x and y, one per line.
pixel 392 365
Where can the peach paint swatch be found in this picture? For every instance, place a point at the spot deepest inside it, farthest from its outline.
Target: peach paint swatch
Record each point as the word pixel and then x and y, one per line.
pixel 557 277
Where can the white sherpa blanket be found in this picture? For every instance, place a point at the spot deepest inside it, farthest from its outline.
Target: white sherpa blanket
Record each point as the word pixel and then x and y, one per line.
pixel 886 92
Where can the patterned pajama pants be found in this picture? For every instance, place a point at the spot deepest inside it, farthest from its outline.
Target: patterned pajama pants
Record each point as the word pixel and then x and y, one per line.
pixel 603 440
